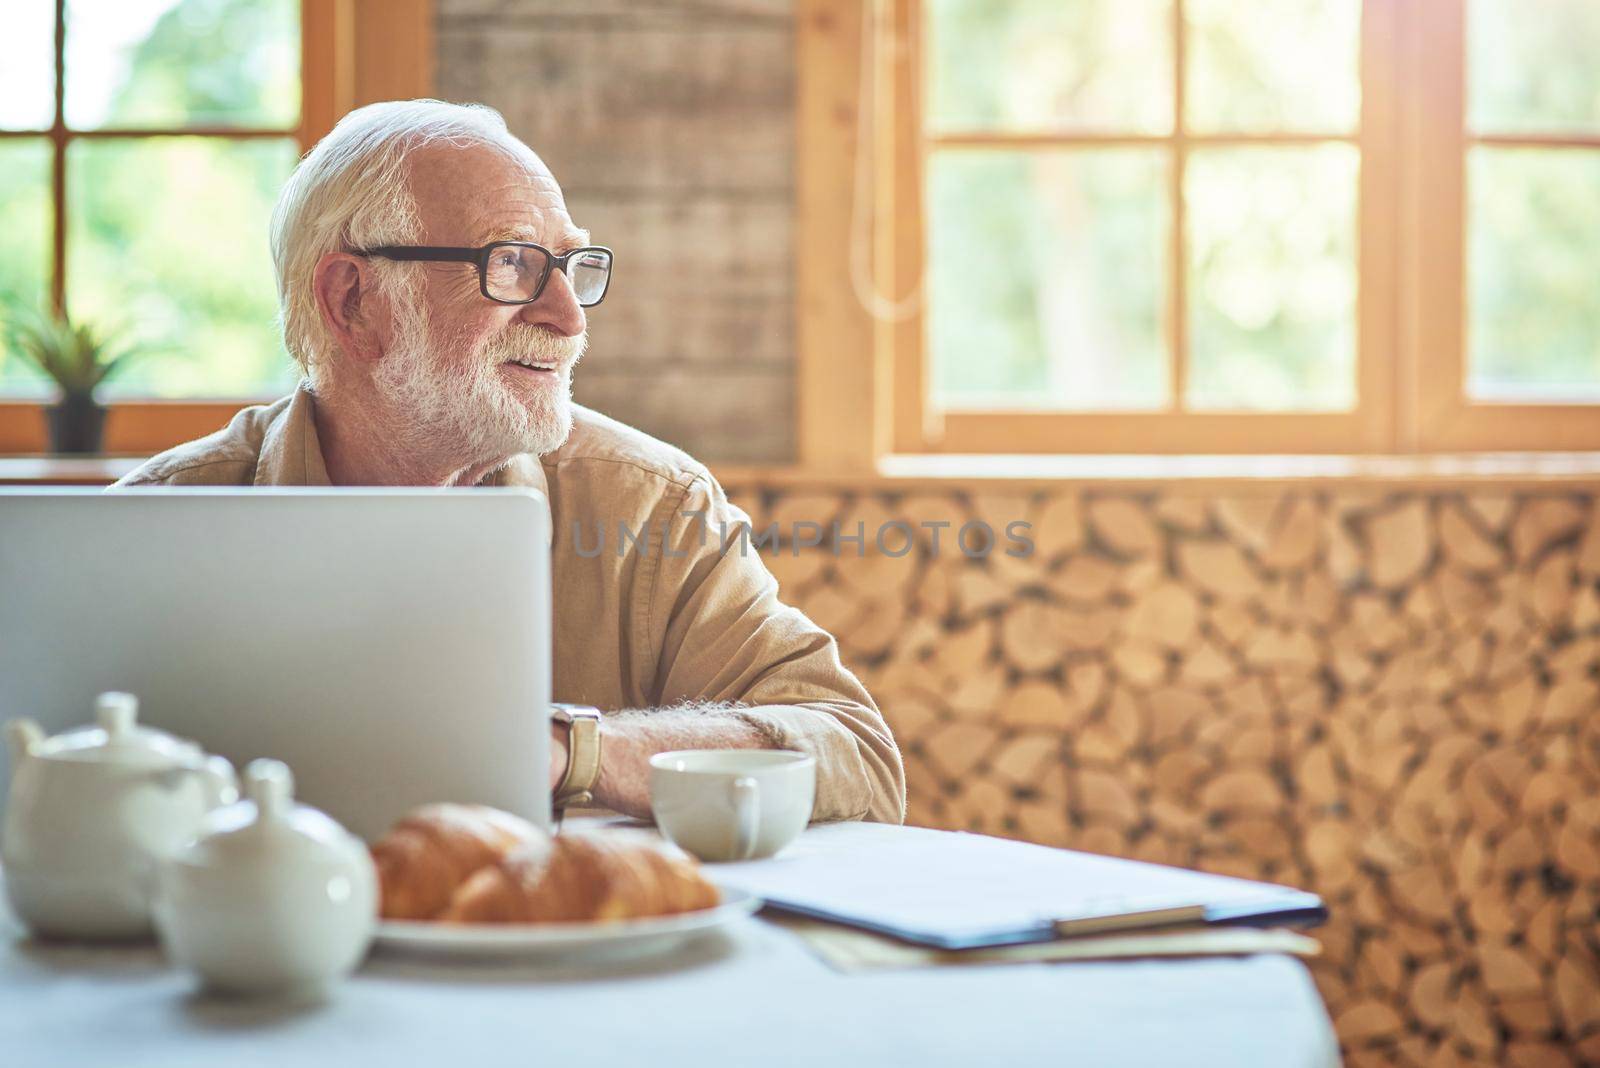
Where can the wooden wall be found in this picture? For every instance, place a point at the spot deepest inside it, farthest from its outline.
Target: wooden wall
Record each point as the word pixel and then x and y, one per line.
pixel 670 126
pixel 1388 696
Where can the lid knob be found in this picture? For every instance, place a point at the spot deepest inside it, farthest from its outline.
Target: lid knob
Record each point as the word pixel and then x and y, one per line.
pixel 270 784
pixel 116 712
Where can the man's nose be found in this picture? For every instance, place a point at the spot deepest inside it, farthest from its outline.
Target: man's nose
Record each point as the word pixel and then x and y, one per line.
pixel 557 308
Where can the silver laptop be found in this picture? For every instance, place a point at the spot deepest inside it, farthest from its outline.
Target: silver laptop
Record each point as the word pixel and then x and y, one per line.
pixel 391 646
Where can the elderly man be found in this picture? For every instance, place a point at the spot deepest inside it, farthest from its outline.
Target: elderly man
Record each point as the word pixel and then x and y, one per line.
pixel 433 289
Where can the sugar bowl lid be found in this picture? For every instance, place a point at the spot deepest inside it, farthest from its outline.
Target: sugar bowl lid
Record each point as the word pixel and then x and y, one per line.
pixel 269 828
pixel 116 737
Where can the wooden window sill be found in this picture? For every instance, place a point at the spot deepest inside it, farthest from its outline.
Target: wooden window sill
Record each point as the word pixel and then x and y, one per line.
pixel 1200 471
pixel 65 470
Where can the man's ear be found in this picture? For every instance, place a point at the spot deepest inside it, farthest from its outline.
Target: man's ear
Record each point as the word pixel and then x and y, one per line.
pixel 352 309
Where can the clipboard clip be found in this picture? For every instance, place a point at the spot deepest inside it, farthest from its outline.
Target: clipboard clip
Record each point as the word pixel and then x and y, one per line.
pixel 1129 919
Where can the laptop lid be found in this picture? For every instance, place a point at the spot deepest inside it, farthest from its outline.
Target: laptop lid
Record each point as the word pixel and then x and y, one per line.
pixel 392 646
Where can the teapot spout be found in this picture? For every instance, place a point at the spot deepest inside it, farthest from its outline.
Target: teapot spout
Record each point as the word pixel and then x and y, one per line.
pixel 22 735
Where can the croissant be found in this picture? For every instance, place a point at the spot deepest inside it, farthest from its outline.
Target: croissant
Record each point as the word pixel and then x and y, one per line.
pixel 426 857
pixel 577 878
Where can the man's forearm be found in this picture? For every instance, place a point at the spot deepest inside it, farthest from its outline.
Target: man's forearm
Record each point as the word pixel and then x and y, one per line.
pixel 629 739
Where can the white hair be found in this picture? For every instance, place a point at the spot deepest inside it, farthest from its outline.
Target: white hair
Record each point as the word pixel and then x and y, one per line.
pixel 351 192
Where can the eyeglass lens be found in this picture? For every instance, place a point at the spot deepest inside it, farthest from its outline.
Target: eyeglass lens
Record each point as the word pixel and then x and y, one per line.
pixel 588 272
pixel 513 273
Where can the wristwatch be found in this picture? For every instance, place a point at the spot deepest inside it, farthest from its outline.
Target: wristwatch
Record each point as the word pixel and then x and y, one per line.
pixel 583 754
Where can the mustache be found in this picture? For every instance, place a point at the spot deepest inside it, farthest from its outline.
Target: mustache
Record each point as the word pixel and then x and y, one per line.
pixel 544 345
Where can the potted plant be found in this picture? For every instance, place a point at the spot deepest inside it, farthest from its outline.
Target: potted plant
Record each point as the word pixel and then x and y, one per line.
pixel 78 357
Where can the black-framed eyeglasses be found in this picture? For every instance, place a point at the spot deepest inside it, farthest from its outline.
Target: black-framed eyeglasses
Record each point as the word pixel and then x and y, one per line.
pixel 515 272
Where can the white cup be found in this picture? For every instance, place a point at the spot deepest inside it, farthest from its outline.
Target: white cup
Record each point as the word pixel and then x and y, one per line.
pixel 732 804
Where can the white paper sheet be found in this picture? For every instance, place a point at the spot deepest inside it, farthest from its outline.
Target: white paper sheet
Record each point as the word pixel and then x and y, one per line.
pixel 961 887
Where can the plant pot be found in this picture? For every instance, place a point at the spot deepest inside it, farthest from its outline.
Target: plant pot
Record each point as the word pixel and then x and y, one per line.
pixel 76 424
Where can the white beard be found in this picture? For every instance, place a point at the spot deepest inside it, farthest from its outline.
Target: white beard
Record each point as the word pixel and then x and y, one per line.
pixel 468 411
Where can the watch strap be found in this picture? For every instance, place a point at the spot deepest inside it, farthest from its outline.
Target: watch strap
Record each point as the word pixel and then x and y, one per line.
pixel 583 755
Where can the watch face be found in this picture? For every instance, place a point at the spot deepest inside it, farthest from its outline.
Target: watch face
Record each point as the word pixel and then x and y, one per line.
pixel 564 713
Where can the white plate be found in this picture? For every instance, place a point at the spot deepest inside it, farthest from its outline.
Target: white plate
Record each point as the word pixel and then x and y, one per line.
pixel 563 941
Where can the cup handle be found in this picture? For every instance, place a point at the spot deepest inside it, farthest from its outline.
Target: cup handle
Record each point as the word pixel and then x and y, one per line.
pixel 746 798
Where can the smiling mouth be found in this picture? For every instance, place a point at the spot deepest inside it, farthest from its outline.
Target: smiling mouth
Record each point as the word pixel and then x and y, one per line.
pixel 530 365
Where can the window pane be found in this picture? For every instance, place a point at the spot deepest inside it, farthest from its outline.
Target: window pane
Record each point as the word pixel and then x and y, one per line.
pixel 162 63
pixel 1047 279
pixel 1272 283
pixel 28 71
pixel 1030 64
pixel 169 236
pixel 25 236
pixel 1288 65
pixel 1533 262
pixel 1532 67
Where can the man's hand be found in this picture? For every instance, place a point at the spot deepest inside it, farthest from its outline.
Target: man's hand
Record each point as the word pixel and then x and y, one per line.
pixel 629 739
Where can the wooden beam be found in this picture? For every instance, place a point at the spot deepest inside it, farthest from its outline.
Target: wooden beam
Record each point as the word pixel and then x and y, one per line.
pixel 357 52
pixel 394 55
pixel 839 394
pixel 1382 383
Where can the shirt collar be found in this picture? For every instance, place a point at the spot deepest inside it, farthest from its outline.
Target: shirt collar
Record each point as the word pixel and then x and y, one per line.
pixel 291 455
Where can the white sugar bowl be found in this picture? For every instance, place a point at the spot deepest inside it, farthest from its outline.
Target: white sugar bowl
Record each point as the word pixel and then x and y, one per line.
pixel 273 898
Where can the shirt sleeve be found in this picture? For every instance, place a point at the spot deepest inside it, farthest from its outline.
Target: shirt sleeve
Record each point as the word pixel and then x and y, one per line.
pixel 724 636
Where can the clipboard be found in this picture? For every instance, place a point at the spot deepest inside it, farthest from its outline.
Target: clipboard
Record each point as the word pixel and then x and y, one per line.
pixel 956 890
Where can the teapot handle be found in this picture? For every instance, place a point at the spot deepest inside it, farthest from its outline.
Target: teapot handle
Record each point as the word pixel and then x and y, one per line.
pixel 24 736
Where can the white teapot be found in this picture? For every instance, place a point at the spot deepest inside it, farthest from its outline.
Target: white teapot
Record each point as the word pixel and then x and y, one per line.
pixel 272 898
pixel 91 813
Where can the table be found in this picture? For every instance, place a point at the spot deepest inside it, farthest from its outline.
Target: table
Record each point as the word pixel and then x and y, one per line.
pixel 752 994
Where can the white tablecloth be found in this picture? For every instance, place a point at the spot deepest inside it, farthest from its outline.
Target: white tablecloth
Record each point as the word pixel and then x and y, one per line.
pixel 751 995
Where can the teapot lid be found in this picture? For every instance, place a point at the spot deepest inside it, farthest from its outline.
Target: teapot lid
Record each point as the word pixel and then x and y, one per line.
pixel 117 738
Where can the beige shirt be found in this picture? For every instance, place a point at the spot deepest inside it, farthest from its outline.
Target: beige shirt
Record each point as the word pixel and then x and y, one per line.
pixel 695 620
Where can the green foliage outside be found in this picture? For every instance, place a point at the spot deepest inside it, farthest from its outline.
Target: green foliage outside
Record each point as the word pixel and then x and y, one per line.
pixel 24 248
pixel 1046 279
pixel 1533 250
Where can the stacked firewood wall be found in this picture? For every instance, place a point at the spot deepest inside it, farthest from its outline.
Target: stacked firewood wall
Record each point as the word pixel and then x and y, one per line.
pixel 1391 697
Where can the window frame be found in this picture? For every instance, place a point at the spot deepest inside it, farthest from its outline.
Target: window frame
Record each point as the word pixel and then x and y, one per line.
pixel 353 52
pixel 1446 418
pixel 1410 324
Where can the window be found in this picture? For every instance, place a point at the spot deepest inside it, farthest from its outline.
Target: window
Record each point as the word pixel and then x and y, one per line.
pixel 142 147
pixel 1211 225
pixel 174 124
